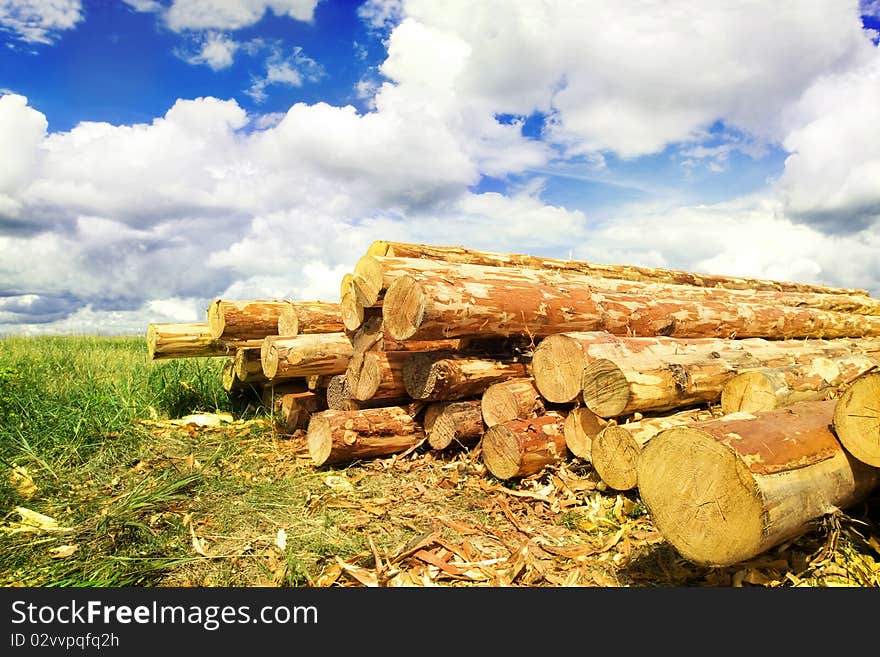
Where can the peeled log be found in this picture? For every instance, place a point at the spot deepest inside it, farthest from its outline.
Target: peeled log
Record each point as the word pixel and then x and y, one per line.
pixel 438 376
pixel 345 436
pixel 228 380
pixel 458 421
pixel 519 448
pixel 305 355
pixel 377 375
pixel 727 490
pixel 857 419
pixel 511 400
pixel 616 448
pixel 188 341
pixel 299 317
pixel 774 387
pixel 580 430
pixel 244 320
pixel 614 388
pixel 461 255
pixel 295 409
pixel 486 301
pixel 273 392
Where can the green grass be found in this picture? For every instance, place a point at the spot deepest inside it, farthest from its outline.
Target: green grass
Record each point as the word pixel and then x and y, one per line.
pixel 68 411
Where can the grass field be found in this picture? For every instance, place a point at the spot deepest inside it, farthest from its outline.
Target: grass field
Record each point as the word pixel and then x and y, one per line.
pixel 130 497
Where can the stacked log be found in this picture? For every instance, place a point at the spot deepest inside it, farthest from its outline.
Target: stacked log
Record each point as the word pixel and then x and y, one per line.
pixel 527 361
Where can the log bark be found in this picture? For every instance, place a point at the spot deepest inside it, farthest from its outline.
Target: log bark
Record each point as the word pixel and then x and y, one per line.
pixel 295 409
pixel 447 376
pixel 580 429
pixel 616 448
pixel 857 419
pixel 377 375
pixel 483 301
pixel 461 255
pixel 511 400
pixel 519 448
pixel 774 387
pixel 305 355
pixel 559 360
pixel 301 317
pixel 249 366
pixel 612 389
pixel 344 436
pixel 458 422
pixel 244 320
pixel 189 341
pixel 727 490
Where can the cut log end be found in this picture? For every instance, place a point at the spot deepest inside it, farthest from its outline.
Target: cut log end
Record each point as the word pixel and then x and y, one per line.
pixel 403 308
pixel 420 375
pixel 502 452
pixel 857 419
pixel 216 319
pixel 558 365
pixel 615 457
pixel 749 392
pixel 605 388
pixel 319 437
pixel 702 498
pixel 580 428
pixel 509 400
pixel 364 376
pixel 152 341
pixel 269 358
pixel 352 309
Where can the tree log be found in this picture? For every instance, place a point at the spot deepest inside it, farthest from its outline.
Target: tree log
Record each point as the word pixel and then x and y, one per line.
pixel 228 380
pixel 273 392
pixel 511 400
pixel 244 320
pixel 377 375
pixel 616 448
pixel 305 355
pixel 774 387
pixel 484 301
pixel 727 490
pixel 447 376
pixel 559 360
pixel 461 255
pixel 519 448
pixel 248 365
pixel 857 418
pixel 189 341
pixel 300 317
pixel 339 397
pixel 458 421
pixel 295 409
pixel 318 381
pixel 580 429
pixel 344 436
pixel 612 389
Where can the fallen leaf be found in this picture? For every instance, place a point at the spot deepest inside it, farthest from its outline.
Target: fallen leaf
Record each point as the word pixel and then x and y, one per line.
pixel 362 575
pixel 337 482
pixel 281 540
pixel 63 551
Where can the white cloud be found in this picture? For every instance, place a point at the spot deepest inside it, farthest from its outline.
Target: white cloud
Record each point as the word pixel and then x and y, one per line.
pixel 233 14
pixel 381 14
pixel 22 130
pixel 39 21
pixel 870 8
pixel 291 71
pixel 832 177
pixel 216 50
pixel 146 6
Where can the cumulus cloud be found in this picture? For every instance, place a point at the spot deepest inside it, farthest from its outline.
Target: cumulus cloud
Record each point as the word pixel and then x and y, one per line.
pixel 135 222
pixel 39 21
pixel 233 14
pixel 832 177
pixel 145 6
pixel 215 50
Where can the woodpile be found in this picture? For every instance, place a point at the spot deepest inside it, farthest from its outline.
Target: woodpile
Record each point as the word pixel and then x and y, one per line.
pixel 740 410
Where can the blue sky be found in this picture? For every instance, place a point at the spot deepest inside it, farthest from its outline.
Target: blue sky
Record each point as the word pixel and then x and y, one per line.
pixel 160 153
